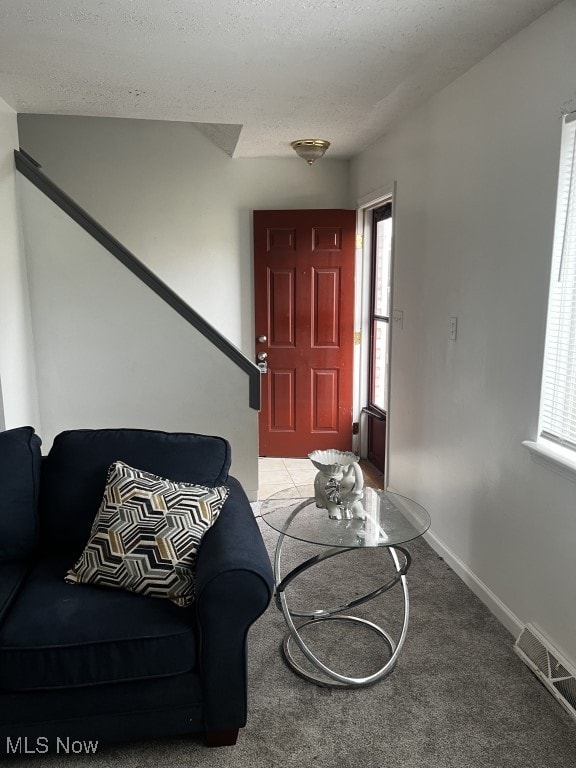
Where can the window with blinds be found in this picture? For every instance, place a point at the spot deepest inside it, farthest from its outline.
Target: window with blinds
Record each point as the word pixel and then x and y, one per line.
pixel 558 400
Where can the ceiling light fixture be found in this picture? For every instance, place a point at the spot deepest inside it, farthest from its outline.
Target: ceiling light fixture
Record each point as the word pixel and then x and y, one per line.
pixel 310 149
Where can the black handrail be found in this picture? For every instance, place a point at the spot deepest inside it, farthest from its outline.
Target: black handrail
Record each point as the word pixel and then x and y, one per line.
pixel 29 168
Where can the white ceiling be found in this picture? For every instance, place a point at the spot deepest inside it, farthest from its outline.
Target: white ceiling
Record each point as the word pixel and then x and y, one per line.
pixel 342 70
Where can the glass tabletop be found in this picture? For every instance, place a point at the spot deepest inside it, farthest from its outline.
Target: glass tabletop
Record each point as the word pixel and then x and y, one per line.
pixel 390 519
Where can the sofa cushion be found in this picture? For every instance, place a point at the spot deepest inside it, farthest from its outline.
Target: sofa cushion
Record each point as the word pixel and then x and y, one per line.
pixel 74 474
pixel 146 534
pixel 20 459
pixel 58 636
pixel 12 576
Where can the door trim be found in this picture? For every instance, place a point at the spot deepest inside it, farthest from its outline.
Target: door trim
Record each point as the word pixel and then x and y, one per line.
pixel 366 205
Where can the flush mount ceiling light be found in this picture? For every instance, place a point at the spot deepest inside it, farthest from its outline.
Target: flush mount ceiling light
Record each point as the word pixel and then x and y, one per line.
pixel 310 149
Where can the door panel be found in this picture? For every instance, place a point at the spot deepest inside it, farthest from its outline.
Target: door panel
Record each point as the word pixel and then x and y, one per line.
pixel 326 307
pixel 377 442
pixel 324 401
pixel 304 298
pixel 283 408
pixel 282 308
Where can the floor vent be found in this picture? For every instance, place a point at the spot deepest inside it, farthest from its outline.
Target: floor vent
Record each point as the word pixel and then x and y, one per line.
pixel 549 666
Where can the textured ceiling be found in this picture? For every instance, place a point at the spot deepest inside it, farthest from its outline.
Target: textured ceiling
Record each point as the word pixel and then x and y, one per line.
pixel 255 74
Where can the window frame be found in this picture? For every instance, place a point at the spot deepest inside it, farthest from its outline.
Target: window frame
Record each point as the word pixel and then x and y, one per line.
pixel 555 444
pixel 380 213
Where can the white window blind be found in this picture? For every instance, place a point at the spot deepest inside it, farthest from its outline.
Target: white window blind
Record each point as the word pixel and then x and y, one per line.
pixel 558 402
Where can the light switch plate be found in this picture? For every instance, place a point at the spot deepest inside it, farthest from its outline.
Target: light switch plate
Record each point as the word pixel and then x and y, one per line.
pixel 453 328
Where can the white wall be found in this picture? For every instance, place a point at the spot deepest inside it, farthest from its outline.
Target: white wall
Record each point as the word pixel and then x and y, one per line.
pixel 476 172
pixel 184 208
pixel 110 353
pixel 18 402
pixel 180 203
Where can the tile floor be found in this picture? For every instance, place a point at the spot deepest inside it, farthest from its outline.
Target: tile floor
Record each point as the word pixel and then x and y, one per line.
pixel 275 475
pixel 297 477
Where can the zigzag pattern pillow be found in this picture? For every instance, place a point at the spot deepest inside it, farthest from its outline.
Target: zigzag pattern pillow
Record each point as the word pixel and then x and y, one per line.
pixel 146 534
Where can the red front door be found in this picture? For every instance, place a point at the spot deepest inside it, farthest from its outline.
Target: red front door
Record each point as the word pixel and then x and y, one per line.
pixel 304 300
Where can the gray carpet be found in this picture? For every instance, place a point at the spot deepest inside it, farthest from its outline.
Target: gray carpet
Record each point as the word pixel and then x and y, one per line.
pixel 458 698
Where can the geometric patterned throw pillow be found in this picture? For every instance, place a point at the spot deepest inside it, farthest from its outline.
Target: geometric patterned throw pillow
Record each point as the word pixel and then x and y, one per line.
pixel 146 534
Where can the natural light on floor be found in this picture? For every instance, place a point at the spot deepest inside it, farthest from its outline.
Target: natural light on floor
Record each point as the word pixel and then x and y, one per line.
pixel 275 474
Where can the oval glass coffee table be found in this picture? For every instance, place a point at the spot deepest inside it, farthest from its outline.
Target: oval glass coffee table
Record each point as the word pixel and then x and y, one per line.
pixel 391 520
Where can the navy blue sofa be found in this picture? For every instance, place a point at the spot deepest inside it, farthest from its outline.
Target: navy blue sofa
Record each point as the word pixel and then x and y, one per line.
pixel 94 663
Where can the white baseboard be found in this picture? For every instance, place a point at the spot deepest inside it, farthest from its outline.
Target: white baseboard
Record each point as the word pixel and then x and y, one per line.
pixel 490 600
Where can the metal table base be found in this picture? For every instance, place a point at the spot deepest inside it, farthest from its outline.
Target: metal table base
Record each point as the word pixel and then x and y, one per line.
pixel 331 678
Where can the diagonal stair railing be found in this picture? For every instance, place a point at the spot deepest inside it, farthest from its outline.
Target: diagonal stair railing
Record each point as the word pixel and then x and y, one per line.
pixel 29 168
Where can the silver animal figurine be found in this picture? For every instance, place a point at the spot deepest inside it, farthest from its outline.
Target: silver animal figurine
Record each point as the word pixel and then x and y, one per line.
pixel 341 493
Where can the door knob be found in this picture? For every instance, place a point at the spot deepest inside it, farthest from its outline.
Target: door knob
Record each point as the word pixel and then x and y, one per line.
pixel 262 355
pixel 262 339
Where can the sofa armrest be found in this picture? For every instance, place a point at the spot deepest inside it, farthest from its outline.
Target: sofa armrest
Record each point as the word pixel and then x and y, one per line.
pixel 234 585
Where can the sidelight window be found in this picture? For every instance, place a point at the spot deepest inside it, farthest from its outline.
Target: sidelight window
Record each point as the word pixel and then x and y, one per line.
pixel 380 315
